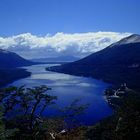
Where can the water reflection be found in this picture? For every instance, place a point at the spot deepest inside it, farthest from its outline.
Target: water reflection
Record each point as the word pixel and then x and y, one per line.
pixel 67 88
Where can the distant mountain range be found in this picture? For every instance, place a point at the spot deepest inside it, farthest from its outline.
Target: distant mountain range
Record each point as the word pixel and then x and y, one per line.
pixel 56 59
pixel 118 63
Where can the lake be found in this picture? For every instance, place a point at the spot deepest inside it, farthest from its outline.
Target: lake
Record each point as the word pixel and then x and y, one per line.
pixel 68 88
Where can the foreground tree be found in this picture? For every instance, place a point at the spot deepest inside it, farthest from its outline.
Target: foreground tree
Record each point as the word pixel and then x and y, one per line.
pixel 5 133
pixel 23 110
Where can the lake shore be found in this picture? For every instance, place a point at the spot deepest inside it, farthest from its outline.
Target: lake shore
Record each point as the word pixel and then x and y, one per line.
pixel 68 88
pixel 8 76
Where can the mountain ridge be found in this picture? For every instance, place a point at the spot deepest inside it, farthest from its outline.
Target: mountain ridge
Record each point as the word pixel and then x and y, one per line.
pixel 10 60
pixel 134 38
pixel 56 59
pixel 117 64
pixel 9 67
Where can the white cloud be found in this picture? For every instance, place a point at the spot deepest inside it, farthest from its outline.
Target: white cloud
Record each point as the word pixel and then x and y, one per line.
pixel 81 44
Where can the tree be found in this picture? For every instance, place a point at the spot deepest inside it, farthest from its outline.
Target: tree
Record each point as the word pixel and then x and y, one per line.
pixel 23 109
pixel 5 133
pixel 25 102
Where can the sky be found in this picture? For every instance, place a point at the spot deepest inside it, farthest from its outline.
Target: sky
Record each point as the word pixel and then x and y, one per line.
pixel 50 16
pixel 41 18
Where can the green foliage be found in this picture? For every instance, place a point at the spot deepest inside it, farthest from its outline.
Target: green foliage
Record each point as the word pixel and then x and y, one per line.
pixel 25 107
pixel 30 124
pixel 123 125
pixel 4 132
pixel 23 103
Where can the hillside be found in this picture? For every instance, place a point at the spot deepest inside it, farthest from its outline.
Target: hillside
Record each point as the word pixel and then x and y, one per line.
pixel 10 59
pixel 118 63
pixel 9 72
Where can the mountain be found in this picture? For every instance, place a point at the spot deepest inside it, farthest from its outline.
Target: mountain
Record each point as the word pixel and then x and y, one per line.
pixel 135 38
pixel 9 72
pixel 11 60
pixel 118 63
pixel 56 59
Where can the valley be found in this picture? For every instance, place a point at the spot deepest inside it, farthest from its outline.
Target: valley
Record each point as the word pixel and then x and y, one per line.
pixel 118 63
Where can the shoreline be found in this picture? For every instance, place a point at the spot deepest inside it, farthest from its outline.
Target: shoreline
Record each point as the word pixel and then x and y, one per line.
pixel 113 101
pixel 8 76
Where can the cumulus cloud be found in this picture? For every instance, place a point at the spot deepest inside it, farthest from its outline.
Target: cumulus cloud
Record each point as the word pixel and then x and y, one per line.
pixel 77 44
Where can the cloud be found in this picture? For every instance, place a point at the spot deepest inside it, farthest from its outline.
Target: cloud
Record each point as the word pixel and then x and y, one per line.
pixel 77 44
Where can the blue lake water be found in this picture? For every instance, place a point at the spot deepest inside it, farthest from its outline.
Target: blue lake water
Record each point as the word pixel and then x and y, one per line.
pixel 68 88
